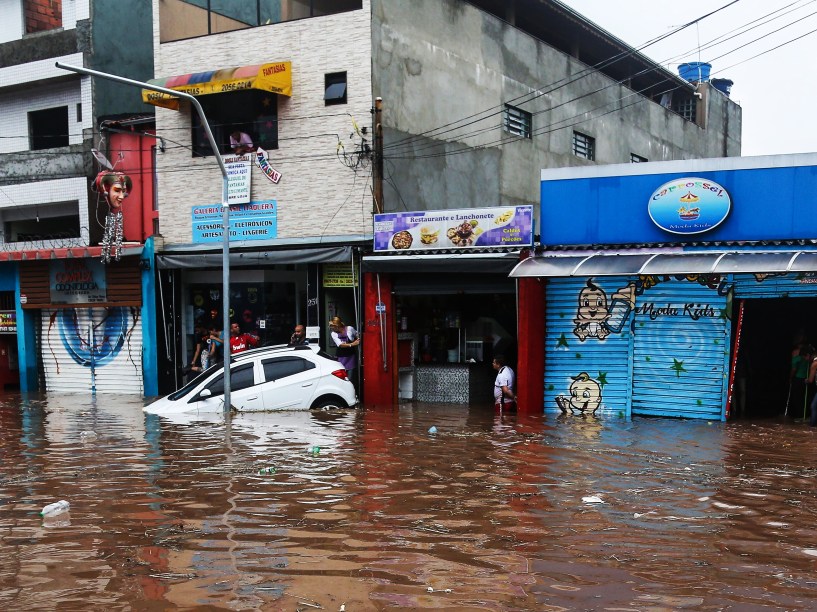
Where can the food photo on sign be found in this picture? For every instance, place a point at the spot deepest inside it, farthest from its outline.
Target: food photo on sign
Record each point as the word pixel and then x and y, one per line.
pixel 509 226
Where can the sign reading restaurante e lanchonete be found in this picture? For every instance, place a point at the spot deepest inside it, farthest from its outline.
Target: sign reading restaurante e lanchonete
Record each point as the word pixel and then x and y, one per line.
pixel 471 228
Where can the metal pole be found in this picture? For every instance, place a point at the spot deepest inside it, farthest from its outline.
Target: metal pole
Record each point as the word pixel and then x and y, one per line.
pixel 225 217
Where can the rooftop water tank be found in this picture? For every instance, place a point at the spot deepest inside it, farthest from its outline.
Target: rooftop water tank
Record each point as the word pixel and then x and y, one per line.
pixel 695 71
pixel 723 85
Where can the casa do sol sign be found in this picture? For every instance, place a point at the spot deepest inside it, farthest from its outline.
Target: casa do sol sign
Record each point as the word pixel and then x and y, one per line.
pixel 689 205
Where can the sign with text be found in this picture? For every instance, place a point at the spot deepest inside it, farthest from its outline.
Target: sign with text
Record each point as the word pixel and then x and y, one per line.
pixel 472 228
pixel 239 178
pixel 8 322
pixel 251 221
pixel 339 275
pixel 689 205
pixel 77 281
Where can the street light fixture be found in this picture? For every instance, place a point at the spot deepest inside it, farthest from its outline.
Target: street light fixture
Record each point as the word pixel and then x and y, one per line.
pixel 225 215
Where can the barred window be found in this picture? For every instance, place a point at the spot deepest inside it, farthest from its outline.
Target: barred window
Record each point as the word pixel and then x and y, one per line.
pixel 584 146
pixel 637 159
pixel 517 121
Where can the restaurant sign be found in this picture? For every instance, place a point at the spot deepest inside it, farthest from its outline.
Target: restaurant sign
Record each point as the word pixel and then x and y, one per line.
pixel 466 229
pixel 689 205
pixel 77 281
pixel 8 322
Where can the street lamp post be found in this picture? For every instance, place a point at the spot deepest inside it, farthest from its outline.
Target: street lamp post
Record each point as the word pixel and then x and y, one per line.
pixel 225 215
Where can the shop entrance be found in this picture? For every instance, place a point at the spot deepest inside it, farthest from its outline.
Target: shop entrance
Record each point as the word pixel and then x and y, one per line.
pixel 767 339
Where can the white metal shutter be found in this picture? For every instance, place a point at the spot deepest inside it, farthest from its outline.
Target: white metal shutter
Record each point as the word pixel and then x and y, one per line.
pixel 87 349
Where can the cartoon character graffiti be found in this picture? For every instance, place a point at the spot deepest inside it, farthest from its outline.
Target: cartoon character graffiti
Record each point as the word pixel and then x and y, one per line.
pixel 585 395
pixel 115 186
pixel 598 318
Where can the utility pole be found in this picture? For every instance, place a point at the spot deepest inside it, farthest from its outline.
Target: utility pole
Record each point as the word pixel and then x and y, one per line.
pixel 377 188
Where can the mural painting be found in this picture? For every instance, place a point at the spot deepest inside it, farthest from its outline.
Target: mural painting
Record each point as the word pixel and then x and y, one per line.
pixel 585 395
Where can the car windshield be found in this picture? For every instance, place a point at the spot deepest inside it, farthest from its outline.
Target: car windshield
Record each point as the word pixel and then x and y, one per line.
pixel 189 386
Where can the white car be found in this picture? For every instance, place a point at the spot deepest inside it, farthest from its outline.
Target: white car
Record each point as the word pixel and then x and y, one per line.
pixel 268 378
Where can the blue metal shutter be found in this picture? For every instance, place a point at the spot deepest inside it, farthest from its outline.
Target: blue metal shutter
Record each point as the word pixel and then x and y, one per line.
pixel 795 284
pixel 680 351
pixel 604 361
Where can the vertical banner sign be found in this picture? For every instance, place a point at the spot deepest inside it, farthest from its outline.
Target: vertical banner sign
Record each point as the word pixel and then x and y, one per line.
pixel 8 321
pixel 238 178
pixel 77 281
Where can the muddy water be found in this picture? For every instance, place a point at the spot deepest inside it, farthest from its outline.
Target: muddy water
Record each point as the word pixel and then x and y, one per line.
pixel 489 513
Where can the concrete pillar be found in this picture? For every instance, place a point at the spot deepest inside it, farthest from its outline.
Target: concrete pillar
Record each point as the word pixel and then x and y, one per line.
pixel 379 359
pixel 530 389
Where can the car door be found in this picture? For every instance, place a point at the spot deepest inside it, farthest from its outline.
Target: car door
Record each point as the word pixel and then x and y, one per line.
pixel 245 394
pixel 289 382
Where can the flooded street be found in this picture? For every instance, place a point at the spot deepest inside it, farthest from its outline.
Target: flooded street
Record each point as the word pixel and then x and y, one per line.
pixel 489 513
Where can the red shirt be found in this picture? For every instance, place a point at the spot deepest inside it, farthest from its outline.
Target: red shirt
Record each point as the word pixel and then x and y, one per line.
pixel 242 342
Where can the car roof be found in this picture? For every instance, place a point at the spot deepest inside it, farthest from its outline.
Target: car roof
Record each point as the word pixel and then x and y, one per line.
pixel 277 349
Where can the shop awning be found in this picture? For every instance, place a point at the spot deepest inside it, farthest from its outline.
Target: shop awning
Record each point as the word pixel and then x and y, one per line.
pixel 471 263
pixel 196 261
pixel 626 264
pixel 275 77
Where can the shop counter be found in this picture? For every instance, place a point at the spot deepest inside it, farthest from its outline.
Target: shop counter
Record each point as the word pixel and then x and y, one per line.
pixel 454 383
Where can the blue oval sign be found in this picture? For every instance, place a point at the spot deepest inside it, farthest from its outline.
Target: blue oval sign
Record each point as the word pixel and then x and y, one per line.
pixel 689 205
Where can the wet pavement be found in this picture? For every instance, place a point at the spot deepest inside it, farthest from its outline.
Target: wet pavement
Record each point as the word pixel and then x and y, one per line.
pixel 489 513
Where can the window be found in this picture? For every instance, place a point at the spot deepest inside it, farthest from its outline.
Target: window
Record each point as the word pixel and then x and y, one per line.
pixel 252 111
pixel 275 369
pixel 334 88
pixel 42 15
pixel 686 107
pixel 584 146
pixel 517 121
pixel 180 19
pixel 48 128
pixel 241 377
pixel 637 159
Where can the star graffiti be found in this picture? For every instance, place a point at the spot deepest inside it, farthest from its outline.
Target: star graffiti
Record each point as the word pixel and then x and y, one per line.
pixel 678 366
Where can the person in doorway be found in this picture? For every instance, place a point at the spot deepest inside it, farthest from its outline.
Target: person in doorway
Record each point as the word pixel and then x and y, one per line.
pixel 203 357
pixel 240 342
pixel 812 382
pixel 298 337
pixel 504 396
pixel 347 341
pixel 240 142
pixel 798 376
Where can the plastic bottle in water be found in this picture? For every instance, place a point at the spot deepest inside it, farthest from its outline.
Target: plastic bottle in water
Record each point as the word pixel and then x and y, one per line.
pixel 313 450
pixel 55 508
pixel 266 471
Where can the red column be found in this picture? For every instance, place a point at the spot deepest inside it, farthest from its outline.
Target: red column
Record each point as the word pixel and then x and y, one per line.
pixel 379 379
pixel 530 386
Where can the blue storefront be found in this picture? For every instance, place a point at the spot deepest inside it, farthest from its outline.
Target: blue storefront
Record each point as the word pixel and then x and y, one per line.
pixel 677 288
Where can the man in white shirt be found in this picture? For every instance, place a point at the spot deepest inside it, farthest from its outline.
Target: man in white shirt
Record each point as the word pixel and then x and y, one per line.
pixel 504 397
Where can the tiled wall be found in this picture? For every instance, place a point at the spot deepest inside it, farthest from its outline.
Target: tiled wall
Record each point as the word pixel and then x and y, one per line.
pixel 317 195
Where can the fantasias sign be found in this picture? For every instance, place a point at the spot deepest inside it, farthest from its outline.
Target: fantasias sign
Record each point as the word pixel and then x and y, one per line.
pixel 689 205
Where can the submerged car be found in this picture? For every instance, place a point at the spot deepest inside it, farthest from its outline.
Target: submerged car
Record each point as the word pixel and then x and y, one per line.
pixel 269 378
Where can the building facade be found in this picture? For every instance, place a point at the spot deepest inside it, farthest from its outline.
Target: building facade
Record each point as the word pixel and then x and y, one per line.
pixel 367 107
pixel 687 290
pixel 56 338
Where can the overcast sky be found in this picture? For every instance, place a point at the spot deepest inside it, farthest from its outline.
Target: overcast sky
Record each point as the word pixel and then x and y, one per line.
pixel 776 90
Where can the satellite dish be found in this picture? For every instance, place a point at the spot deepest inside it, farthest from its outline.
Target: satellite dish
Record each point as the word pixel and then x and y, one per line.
pixel 101 159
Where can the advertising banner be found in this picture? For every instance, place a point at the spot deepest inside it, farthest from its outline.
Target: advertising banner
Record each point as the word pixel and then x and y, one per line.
pixel 339 275
pixel 252 221
pixel 239 177
pixel 466 229
pixel 77 281
pixel 8 322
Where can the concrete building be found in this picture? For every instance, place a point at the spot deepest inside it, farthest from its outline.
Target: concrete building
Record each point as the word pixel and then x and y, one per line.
pixel 477 97
pixel 50 218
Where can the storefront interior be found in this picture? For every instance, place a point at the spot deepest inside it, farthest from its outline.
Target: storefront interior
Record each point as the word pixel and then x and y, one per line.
pixel 769 330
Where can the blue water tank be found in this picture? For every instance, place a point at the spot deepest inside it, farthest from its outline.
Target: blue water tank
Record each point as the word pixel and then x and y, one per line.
pixel 723 85
pixel 695 71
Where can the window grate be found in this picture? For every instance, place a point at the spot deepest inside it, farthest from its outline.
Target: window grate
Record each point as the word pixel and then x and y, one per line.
pixel 517 121
pixel 687 108
pixel 584 146
pixel 637 159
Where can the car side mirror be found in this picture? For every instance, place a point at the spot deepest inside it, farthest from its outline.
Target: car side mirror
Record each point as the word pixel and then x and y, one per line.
pixel 205 393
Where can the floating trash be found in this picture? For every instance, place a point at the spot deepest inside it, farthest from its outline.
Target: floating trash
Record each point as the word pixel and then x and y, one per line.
pixel 592 499
pixel 313 450
pixel 55 508
pixel 266 471
pixel 432 430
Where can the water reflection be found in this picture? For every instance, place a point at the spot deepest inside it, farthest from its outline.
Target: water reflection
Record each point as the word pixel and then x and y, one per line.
pixel 487 513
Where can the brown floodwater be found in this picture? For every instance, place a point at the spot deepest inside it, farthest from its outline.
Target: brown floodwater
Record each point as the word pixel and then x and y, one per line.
pixel 489 513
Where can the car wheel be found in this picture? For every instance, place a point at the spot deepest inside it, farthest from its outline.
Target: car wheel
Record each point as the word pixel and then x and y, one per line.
pixel 329 401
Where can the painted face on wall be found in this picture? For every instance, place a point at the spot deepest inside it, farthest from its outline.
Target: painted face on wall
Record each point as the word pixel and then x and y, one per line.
pixel 585 394
pixel 592 304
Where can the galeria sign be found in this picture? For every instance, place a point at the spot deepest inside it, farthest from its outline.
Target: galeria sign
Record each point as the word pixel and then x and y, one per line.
pixel 689 205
